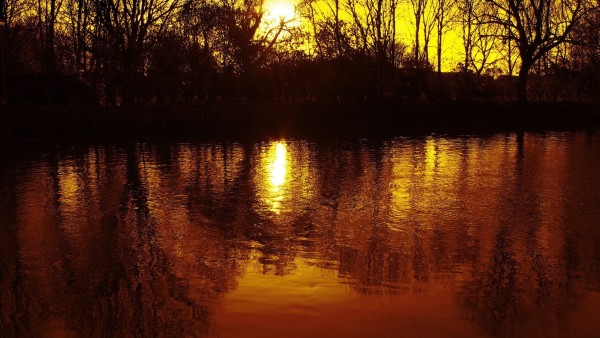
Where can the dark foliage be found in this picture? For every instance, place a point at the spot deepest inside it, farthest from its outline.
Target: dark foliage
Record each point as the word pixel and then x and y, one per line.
pixel 112 53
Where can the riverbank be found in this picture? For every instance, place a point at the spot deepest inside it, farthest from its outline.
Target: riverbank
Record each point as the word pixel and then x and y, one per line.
pixel 349 119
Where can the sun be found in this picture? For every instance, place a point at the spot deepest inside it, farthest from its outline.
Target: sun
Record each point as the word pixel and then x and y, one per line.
pixel 277 10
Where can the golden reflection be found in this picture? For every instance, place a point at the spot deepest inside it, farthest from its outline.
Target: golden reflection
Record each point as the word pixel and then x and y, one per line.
pixel 284 178
pixel 431 158
pixel 423 178
pixel 400 184
pixel 69 185
pixel 278 169
pixel 277 162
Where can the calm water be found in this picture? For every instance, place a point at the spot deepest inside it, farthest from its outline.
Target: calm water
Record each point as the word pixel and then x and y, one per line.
pixel 418 237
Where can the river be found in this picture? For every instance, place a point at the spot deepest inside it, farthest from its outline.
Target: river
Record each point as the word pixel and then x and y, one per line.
pixel 437 236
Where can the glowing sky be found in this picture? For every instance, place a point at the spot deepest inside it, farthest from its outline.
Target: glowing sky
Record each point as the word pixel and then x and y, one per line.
pixel 452 48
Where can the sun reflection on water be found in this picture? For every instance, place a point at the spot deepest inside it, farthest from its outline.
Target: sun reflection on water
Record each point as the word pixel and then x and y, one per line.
pixel 277 162
pixel 70 186
pixel 278 169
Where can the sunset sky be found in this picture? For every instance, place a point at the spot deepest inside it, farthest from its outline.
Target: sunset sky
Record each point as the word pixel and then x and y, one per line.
pixel 452 45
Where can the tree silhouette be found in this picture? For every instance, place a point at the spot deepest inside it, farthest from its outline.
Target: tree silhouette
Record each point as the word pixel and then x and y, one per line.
pixel 47 16
pixel 536 27
pixel 484 50
pixel 248 46
pixel 444 18
pixel 418 11
pixel 128 52
pixel 13 10
pixel 128 24
pixel 80 26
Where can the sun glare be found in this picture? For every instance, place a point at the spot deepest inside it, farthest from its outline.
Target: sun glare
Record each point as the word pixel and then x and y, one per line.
pixel 277 10
pixel 278 168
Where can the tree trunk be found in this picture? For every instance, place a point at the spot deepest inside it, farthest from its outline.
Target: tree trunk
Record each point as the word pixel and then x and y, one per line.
pixel 3 69
pixel 417 46
pixel 522 83
pixel 439 45
pixel 129 76
pixel 338 33
pixel 417 29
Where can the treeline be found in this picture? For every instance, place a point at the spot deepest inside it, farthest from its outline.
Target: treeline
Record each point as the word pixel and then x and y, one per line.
pixel 133 52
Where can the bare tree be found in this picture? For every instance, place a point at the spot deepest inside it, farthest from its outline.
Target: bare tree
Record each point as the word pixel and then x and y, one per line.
pixel 79 15
pixel 444 18
pixel 13 10
pixel 509 54
pixel 376 25
pixel 326 25
pixel 429 23
pixel 308 9
pixel 199 22
pixel 467 18
pixel 47 16
pixel 484 50
pixel 536 27
pixel 334 7
pixel 586 52
pixel 418 11
pixel 129 24
pixel 371 27
pixel 381 19
pixel 248 40
pixel 360 24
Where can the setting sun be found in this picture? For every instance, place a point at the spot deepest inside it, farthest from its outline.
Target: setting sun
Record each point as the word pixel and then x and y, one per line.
pixel 280 10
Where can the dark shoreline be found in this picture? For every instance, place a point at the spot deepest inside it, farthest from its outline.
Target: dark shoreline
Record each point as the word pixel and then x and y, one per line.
pixel 320 120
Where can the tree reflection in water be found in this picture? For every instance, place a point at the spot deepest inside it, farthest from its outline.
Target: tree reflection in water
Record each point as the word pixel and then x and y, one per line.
pixel 158 240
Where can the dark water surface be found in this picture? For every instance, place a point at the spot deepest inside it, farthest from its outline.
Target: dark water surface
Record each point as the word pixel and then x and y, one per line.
pixel 419 237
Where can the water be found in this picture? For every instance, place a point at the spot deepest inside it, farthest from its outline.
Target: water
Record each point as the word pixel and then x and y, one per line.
pixel 418 237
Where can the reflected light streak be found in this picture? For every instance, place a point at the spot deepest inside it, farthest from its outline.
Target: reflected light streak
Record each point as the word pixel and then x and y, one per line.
pixel 402 174
pixel 277 174
pixel 278 170
pixel 69 185
pixel 431 159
